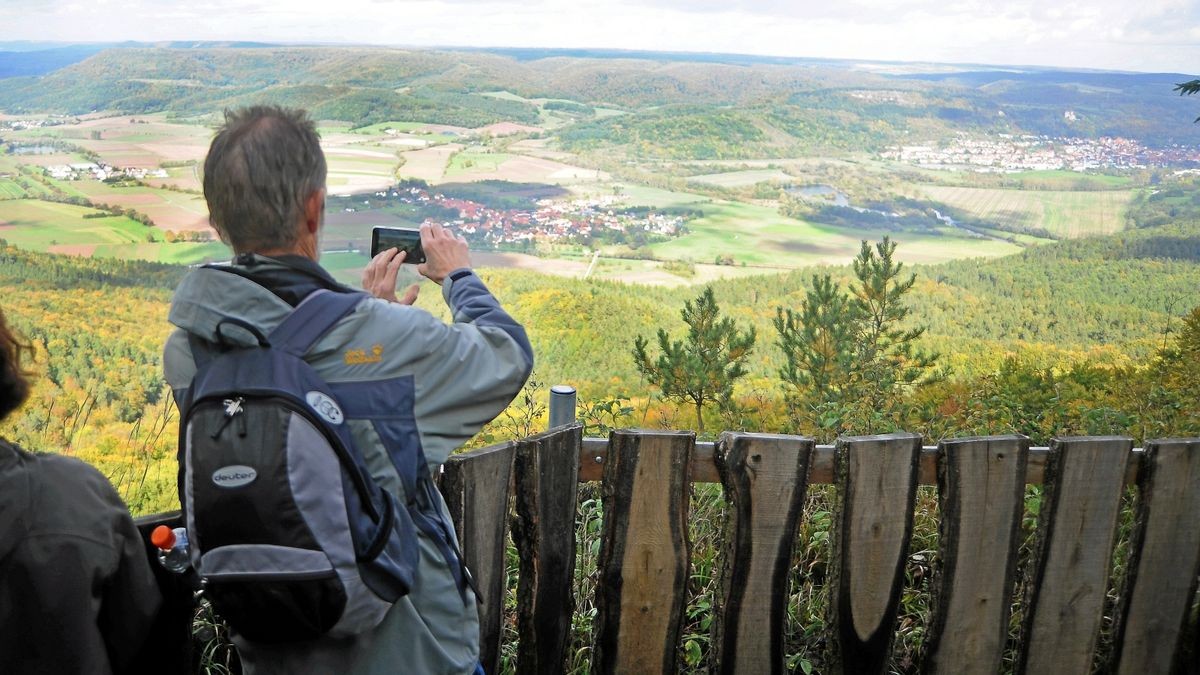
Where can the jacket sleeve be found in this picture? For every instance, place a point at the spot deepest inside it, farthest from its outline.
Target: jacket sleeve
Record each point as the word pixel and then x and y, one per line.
pixel 471 369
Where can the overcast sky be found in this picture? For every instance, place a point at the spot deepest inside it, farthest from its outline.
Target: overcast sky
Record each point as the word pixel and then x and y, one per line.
pixel 1141 35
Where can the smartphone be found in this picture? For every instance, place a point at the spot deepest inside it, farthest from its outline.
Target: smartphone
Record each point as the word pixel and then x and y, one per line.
pixel 403 238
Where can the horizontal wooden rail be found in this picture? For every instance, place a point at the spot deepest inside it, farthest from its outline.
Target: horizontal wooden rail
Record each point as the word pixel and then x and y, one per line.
pixel 703 468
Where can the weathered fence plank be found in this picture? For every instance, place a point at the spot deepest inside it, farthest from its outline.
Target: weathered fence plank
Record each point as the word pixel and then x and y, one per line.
pixel 546 493
pixel 644 552
pixel 820 465
pixel 981 482
pixel 1085 478
pixel 1152 622
pixel 876 478
pixel 764 476
pixel 476 489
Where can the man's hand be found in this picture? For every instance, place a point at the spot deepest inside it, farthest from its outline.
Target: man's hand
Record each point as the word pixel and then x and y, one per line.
pixel 379 277
pixel 444 252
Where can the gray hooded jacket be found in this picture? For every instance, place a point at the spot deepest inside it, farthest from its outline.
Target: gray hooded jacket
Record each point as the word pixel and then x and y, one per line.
pixel 448 379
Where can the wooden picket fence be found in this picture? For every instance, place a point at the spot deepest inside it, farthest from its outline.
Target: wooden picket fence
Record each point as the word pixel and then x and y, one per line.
pixel 644 559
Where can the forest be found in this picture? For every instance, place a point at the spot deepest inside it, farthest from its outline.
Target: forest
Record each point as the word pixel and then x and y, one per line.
pixel 1096 335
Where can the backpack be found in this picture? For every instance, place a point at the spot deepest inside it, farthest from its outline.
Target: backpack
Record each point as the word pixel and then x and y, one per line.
pixel 290 533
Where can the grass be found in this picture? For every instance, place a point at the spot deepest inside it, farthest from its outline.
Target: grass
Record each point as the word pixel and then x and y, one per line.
pixel 38 225
pixel 735 179
pixel 382 127
pixel 504 96
pixel 10 190
pixel 468 162
pixel 1064 214
pixel 1073 180
pixel 178 253
pixel 760 236
pixel 639 195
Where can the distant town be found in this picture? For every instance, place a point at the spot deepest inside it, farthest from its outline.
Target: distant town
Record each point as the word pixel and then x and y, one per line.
pixel 548 219
pixel 1008 153
pixel 100 171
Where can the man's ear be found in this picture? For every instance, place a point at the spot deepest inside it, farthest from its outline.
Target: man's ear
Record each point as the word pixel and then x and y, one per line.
pixel 314 209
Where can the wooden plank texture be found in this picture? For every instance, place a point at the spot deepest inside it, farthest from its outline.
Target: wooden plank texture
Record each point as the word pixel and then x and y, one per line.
pixel 876 479
pixel 764 480
pixel 1085 478
pixel 476 489
pixel 981 482
pixel 1164 561
pixel 644 552
pixel 546 493
pixel 704 470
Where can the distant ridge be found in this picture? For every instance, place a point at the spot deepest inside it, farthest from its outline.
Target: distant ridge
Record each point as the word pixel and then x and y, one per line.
pixel 735 106
pixel 23 59
pixel 42 61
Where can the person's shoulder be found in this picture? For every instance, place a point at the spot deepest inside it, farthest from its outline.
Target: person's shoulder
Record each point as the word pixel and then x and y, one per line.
pixel 74 476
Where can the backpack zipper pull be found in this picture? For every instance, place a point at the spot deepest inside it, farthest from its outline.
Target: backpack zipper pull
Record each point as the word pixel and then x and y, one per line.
pixel 233 408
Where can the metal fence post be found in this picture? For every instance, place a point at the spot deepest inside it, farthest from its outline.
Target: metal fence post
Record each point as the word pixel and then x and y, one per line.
pixel 562 405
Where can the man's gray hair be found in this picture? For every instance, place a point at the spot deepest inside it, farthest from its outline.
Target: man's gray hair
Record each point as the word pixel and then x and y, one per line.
pixel 261 167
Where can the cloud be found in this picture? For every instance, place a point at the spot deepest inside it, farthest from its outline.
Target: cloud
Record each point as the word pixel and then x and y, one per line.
pixel 1117 34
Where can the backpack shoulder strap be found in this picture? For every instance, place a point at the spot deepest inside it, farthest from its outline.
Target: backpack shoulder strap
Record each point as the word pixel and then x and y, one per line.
pixel 312 318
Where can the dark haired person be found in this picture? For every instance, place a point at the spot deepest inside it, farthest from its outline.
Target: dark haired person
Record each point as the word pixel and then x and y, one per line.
pixel 76 591
pixel 264 181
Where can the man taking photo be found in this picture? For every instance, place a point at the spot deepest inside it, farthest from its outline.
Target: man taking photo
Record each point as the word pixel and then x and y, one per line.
pixel 264 181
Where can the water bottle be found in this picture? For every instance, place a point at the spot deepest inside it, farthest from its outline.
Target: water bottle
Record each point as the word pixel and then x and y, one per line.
pixel 172 548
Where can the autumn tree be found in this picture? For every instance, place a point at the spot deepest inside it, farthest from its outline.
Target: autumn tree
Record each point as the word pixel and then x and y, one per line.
pixel 703 368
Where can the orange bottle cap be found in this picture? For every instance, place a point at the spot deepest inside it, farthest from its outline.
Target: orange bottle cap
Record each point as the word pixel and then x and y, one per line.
pixel 163 537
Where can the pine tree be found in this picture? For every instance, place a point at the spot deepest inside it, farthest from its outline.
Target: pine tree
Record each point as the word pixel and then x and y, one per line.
pixel 702 369
pixel 1187 89
pixel 847 354
pixel 817 341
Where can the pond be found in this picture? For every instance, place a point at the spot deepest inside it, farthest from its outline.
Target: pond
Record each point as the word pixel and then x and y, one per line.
pixel 35 150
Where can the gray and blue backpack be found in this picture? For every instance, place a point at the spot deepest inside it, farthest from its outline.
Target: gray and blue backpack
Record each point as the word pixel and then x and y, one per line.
pixel 290 533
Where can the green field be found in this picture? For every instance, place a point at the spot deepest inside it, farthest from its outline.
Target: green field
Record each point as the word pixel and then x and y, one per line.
pixel 760 236
pixel 1072 180
pixel 38 225
pixel 736 179
pixel 504 96
pixel 380 128
pixel 169 209
pixel 10 190
pixel 638 195
pixel 179 253
pixel 1064 214
pixel 468 162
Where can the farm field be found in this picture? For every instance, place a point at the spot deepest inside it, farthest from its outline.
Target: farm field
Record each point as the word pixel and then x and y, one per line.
pixel 170 210
pixel 367 159
pixel 742 178
pixel 178 253
pixel 759 236
pixel 1072 180
pixel 428 164
pixel 62 228
pixel 655 197
pixel 1062 213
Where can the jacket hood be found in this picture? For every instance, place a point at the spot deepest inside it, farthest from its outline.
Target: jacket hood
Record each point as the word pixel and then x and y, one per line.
pixel 209 296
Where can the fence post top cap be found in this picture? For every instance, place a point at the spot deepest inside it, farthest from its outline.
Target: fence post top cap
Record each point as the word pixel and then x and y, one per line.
pixel 562 389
